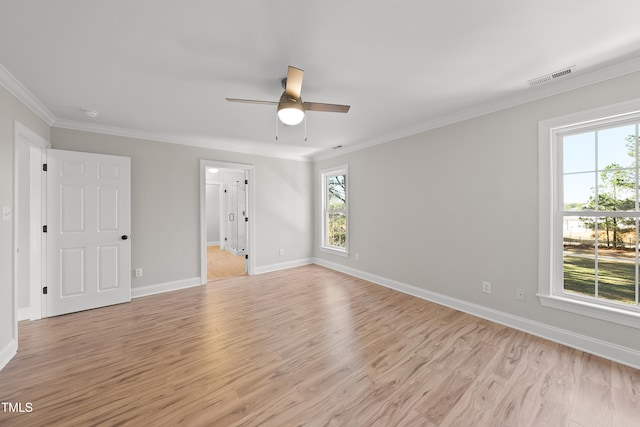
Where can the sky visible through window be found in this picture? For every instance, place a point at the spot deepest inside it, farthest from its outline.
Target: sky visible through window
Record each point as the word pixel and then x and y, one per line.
pixel 579 160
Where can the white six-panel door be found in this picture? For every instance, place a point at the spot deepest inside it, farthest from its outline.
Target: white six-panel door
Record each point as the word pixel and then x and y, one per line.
pixel 88 227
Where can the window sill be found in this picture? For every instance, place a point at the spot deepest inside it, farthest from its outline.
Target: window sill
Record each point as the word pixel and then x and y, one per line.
pixel 334 251
pixel 589 309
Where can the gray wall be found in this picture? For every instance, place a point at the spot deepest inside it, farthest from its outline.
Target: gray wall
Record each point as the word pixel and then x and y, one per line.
pixel 165 205
pixel 449 208
pixel 10 109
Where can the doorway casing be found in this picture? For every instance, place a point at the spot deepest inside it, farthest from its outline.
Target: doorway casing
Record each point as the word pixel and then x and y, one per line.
pixel 29 153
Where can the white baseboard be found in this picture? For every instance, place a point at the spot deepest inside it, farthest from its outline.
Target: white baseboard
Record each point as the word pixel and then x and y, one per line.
pixel 142 291
pixel 7 353
pixel 159 288
pixel 283 265
pixel 24 313
pixel 607 350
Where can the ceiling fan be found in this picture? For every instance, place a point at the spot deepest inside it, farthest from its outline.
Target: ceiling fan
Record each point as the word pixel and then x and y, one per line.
pixel 291 108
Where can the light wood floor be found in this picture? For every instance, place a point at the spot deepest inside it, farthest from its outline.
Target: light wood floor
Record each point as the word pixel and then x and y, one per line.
pixel 221 264
pixel 305 346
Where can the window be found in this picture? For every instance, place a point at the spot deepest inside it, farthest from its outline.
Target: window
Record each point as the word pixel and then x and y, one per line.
pixel 335 217
pixel 590 213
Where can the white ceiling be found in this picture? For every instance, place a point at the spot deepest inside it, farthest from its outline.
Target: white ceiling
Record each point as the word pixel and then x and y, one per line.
pixel 161 69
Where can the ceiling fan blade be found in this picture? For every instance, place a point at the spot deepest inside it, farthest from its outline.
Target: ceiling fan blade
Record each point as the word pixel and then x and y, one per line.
pixel 330 108
pixel 251 101
pixel 294 81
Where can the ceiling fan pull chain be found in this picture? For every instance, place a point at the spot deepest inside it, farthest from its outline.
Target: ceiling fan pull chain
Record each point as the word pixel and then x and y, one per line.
pixel 276 126
pixel 305 128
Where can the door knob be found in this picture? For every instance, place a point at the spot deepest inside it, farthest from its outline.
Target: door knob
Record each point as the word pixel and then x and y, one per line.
pixel 125 237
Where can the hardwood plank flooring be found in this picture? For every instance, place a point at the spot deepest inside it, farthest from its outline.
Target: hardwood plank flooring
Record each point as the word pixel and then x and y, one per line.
pixel 305 346
pixel 221 264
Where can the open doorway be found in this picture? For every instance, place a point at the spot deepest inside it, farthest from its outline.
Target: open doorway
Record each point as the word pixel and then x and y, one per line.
pixel 226 211
pixel 225 221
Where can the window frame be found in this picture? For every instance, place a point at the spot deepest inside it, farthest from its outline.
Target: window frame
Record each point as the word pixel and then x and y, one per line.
pixel 324 175
pixel 550 247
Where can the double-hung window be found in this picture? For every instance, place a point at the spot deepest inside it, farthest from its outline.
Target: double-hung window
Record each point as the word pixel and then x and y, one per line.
pixel 590 213
pixel 335 213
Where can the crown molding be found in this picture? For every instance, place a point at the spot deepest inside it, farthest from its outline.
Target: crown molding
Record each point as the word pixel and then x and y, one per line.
pixel 571 82
pixel 215 143
pixel 530 94
pixel 17 89
pixel 23 94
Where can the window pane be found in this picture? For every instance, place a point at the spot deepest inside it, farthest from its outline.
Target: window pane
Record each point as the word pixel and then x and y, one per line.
pixel 577 232
pixel 579 191
pixel 580 270
pixel 616 189
pixel 579 152
pixel 616 147
pixel 336 229
pixel 617 259
pixel 579 255
pixel 617 275
pixel 613 231
pixel 336 192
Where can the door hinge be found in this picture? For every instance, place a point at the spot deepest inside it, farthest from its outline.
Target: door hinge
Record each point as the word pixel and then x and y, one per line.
pixel 44 290
pixel 246 219
pixel 44 167
pixel 246 182
pixel 44 228
pixel 246 257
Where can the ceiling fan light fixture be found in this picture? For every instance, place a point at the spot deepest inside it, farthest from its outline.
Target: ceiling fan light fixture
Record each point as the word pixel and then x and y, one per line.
pixel 290 116
pixel 290 110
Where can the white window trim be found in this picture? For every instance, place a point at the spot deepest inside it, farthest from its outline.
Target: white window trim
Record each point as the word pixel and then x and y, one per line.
pixel 550 234
pixel 344 169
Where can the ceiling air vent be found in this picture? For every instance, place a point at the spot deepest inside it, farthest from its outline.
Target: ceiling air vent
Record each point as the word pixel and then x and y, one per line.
pixel 551 76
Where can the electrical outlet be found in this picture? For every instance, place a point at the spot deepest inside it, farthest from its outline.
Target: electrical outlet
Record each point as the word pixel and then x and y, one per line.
pixel 281 252
pixel 486 287
pixel 520 294
pixel 138 272
pixel 357 257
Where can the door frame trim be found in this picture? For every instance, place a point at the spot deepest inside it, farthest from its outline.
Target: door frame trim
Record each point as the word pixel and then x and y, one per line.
pixel 22 133
pixel 249 170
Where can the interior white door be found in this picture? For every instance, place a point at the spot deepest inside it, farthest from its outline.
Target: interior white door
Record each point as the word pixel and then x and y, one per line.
pixel 88 227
